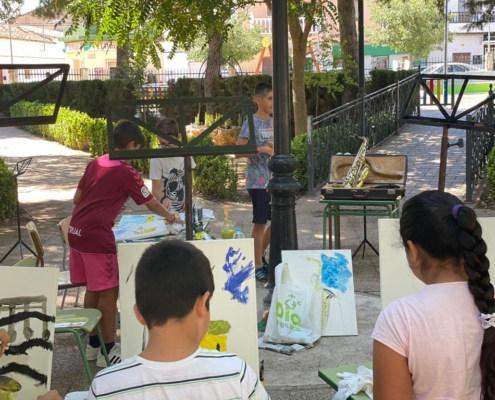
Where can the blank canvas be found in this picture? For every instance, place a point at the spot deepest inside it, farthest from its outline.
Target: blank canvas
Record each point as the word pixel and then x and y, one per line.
pixel 396 278
pixel 334 268
pixel 27 312
pixel 233 324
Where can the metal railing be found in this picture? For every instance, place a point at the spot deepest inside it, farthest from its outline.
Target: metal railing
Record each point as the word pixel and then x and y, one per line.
pixel 478 147
pixel 330 133
pixel 464 17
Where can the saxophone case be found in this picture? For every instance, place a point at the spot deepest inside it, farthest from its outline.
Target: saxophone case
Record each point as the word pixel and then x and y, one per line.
pixel 386 179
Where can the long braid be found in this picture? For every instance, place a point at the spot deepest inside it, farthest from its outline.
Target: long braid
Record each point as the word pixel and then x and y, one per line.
pixel 476 266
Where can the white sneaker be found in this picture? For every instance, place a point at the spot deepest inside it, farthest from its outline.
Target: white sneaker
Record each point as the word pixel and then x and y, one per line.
pixel 113 357
pixel 92 352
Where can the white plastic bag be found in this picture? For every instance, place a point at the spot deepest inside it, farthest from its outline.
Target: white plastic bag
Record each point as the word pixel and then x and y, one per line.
pixel 295 312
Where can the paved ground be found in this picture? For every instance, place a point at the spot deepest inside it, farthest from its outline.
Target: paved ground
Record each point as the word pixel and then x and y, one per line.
pixel 46 191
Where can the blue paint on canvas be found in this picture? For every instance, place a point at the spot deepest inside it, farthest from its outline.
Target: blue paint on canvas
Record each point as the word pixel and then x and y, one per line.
pixel 334 271
pixel 237 275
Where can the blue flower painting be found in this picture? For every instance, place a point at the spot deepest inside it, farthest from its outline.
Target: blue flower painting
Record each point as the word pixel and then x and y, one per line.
pixel 334 271
pixel 237 272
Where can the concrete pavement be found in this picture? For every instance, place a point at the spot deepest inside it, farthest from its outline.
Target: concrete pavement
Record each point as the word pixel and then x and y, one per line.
pixel 46 192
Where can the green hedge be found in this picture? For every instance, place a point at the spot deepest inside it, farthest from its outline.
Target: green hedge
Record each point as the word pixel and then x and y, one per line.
pixel 90 97
pixel 491 167
pixel 381 78
pixel 7 192
pixel 76 130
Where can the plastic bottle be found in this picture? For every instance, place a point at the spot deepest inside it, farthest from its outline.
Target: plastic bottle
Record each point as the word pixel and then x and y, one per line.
pixel 238 234
pixel 199 210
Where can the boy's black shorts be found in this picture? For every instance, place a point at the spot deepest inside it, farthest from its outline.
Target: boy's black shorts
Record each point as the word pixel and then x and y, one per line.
pixel 262 210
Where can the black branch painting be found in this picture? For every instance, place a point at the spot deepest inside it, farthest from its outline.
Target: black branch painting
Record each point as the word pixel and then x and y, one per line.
pixel 27 323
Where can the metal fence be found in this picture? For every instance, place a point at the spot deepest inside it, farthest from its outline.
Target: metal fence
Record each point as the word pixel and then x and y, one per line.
pixel 478 147
pixel 330 133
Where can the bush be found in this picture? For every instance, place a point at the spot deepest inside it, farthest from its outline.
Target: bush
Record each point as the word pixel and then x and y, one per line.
pixel 89 96
pixel 7 192
pixel 491 167
pixel 381 78
pixel 219 176
pixel 300 152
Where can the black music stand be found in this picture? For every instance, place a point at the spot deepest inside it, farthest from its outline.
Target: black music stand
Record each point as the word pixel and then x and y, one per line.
pixel 19 169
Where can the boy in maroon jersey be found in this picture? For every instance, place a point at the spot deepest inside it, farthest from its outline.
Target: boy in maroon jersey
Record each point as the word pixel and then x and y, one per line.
pixel 102 192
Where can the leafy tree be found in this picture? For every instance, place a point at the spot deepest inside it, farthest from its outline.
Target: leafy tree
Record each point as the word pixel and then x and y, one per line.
pixel 242 42
pixel 415 27
pixel 315 13
pixel 9 9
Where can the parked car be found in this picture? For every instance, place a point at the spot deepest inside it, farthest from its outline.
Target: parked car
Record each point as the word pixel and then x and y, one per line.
pixel 452 68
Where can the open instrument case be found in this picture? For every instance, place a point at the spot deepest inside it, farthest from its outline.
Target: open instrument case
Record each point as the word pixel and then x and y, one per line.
pixel 386 179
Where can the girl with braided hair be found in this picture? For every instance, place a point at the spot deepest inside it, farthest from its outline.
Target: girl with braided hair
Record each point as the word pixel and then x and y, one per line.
pixel 439 343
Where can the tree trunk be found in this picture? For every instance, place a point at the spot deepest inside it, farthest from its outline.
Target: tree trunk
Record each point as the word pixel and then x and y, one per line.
pixel 213 65
pixel 299 44
pixel 123 61
pixel 349 47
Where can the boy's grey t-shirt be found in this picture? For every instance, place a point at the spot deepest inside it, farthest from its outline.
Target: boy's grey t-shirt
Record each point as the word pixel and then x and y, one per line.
pixel 258 174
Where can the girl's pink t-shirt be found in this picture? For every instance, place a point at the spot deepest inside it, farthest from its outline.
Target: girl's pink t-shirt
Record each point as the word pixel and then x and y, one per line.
pixel 437 329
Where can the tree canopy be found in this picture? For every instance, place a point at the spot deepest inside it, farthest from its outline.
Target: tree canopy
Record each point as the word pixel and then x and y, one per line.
pixel 414 27
pixel 9 9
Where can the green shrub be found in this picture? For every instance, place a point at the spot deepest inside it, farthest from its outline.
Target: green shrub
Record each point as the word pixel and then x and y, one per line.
pixel 300 152
pixel 219 176
pixel 491 167
pixel 7 192
pixel 381 78
pixel 90 97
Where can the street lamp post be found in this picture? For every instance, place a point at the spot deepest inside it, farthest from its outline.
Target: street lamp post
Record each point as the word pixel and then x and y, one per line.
pixel 282 186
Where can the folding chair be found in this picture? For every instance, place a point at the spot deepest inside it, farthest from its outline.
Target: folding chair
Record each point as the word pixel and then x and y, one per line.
pixel 63 228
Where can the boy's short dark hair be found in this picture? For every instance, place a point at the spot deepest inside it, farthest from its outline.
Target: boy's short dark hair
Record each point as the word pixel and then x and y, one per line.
pixel 169 278
pixel 126 132
pixel 168 126
pixel 262 89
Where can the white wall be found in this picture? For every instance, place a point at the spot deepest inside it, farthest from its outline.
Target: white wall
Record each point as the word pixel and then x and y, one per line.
pixel 178 62
pixel 25 52
pixel 463 43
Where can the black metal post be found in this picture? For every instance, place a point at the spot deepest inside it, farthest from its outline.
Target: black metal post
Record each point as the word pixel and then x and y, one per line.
pixel 283 186
pixel 362 82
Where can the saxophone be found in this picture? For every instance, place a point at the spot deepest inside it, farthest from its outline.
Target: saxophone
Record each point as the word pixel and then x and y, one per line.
pixel 359 170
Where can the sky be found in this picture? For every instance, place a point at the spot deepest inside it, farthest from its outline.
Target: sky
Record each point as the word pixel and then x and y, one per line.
pixel 29 5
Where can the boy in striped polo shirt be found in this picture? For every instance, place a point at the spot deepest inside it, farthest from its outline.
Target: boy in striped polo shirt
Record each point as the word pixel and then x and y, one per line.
pixel 174 284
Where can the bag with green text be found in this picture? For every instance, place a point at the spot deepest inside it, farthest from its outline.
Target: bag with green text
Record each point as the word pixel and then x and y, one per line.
pixel 295 312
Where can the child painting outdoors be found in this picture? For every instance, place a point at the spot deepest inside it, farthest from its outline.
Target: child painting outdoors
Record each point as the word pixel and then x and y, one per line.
pixel 439 343
pixel 167 174
pixel 173 287
pixel 102 192
pixel 258 174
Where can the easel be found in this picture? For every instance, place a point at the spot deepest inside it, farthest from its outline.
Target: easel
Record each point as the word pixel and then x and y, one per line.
pixel 19 169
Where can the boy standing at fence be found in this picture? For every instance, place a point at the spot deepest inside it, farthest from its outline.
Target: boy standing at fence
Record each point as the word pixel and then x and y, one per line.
pixel 102 192
pixel 173 286
pixel 167 174
pixel 258 174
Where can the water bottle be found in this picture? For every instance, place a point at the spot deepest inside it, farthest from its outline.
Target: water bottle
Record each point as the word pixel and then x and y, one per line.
pixel 238 234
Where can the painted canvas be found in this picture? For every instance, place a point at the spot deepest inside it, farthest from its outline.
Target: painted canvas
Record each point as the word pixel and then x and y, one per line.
pixel 334 271
pixel 233 325
pixel 27 312
pixel 396 278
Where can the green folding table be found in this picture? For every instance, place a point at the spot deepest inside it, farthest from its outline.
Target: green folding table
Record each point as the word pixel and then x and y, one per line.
pixel 329 375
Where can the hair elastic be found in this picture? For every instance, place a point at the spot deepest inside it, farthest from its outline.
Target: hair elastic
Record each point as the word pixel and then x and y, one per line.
pixel 455 210
pixel 487 320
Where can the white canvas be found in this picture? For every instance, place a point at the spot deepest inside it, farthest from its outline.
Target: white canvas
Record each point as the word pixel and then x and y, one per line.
pixel 27 311
pixel 396 278
pixel 334 267
pixel 242 339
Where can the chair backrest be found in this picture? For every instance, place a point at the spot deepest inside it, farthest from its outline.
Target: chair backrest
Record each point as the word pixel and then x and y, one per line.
pixel 63 228
pixel 36 241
